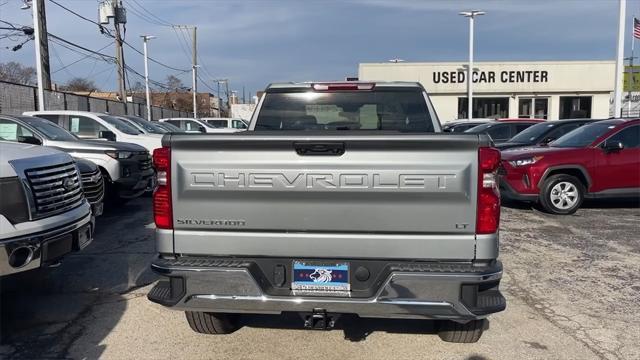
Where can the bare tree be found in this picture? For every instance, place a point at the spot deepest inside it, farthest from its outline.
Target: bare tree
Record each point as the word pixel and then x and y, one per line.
pixel 175 84
pixel 80 84
pixel 137 87
pixel 17 73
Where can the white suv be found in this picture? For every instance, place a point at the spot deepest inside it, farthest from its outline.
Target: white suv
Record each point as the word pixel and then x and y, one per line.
pixel 191 125
pixel 226 123
pixel 92 125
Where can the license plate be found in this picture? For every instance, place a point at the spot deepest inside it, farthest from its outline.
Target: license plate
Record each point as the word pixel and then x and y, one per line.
pixel 313 278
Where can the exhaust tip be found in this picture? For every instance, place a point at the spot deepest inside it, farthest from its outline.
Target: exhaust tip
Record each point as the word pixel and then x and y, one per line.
pixel 20 257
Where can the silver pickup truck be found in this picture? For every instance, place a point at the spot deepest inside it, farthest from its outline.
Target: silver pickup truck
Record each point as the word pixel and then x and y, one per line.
pixel 342 198
pixel 43 211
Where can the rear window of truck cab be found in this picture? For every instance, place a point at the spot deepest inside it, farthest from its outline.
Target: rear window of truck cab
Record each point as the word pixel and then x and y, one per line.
pixel 345 110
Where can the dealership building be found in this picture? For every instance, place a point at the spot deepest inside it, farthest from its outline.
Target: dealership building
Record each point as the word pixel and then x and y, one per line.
pixel 544 89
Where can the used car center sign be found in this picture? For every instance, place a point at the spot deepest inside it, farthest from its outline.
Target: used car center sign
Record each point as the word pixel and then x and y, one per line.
pixel 494 77
pixel 519 76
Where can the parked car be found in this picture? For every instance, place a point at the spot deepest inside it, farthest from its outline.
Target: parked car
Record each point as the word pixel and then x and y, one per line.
pixel 168 127
pixel 126 167
pixel 502 131
pixel 92 185
pixel 145 126
pixel 226 123
pixel 397 224
pixel 543 133
pixel 92 125
pixel 190 125
pixel 521 119
pixel 462 125
pixel 597 160
pixel 43 212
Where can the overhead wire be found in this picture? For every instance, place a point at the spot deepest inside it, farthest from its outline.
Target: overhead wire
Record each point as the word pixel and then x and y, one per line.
pixel 80 59
pixel 107 32
pixel 160 20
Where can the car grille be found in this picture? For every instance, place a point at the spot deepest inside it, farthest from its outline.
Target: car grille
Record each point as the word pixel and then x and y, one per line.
pixel 55 188
pixel 144 161
pixel 93 186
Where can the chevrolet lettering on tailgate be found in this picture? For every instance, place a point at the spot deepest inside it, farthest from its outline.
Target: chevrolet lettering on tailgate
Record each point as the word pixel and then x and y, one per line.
pixel 305 181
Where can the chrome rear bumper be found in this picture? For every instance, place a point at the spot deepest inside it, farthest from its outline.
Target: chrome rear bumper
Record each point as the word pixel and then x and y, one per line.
pixel 230 287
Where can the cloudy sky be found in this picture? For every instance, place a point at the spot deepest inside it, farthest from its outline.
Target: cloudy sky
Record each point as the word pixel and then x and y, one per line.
pixel 253 43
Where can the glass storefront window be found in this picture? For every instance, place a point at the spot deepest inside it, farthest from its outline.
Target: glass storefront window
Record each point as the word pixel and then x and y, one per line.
pixel 533 108
pixel 497 107
pixel 575 107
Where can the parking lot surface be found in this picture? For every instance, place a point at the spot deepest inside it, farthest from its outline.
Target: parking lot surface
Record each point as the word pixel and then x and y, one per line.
pixel 572 285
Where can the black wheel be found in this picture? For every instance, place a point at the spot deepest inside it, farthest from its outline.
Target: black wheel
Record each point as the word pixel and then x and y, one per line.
pixel 470 332
pixel 562 194
pixel 211 323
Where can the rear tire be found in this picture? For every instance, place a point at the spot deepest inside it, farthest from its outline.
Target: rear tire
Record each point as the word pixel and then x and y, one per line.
pixel 562 194
pixel 453 332
pixel 211 323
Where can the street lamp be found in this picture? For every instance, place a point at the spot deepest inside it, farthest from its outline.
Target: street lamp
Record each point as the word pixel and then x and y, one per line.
pixel 471 15
pixel 145 39
pixel 194 90
pixel 396 60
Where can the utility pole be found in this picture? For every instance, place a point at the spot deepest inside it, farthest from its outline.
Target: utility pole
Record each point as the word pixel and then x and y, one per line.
pixel 617 94
pixel 42 50
pixel 195 72
pixel 226 83
pixel 108 9
pixel 471 15
pixel 218 81
pixel 120 18
pixel 146 39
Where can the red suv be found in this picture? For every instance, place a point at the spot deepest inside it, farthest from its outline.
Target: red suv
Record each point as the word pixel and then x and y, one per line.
pixel 598 160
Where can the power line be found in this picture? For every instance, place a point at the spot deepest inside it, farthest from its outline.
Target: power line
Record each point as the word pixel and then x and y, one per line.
pixel 81 59
pixel 184 50
pixel 108 33
pixel 152 14
pixel 154 60
pixel 143 16
pixel 81 47
pixel 103 29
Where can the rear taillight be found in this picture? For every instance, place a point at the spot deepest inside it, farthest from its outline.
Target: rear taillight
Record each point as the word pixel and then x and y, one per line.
pixel 162 212
pixel 488 218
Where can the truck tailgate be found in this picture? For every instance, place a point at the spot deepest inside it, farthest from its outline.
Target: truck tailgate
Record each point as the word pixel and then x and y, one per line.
pixel 403 196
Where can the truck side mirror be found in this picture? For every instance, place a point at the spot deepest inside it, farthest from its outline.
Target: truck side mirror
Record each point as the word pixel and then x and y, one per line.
pixel 29 140
pixel 107 135
pixel 202 129
pixel 612 146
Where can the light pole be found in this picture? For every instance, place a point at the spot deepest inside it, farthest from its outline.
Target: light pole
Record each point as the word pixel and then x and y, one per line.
pixel 145 39
pixel 617 92
pixel 194 90
pixel 471 15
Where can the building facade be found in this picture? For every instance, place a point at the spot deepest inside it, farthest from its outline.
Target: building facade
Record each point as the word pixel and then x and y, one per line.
pixel 545 89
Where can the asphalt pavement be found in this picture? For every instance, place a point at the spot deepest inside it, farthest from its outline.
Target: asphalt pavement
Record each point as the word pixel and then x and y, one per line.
pixel 572 285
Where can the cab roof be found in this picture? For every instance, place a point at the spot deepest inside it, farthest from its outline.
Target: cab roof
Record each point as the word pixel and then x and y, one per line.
pixel 310 85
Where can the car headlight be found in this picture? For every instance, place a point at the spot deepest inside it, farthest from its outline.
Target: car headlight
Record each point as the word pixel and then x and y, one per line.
pixel 525 162
pixel 119 154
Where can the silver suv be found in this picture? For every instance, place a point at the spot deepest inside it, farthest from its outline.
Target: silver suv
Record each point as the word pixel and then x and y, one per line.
pixel 43 212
